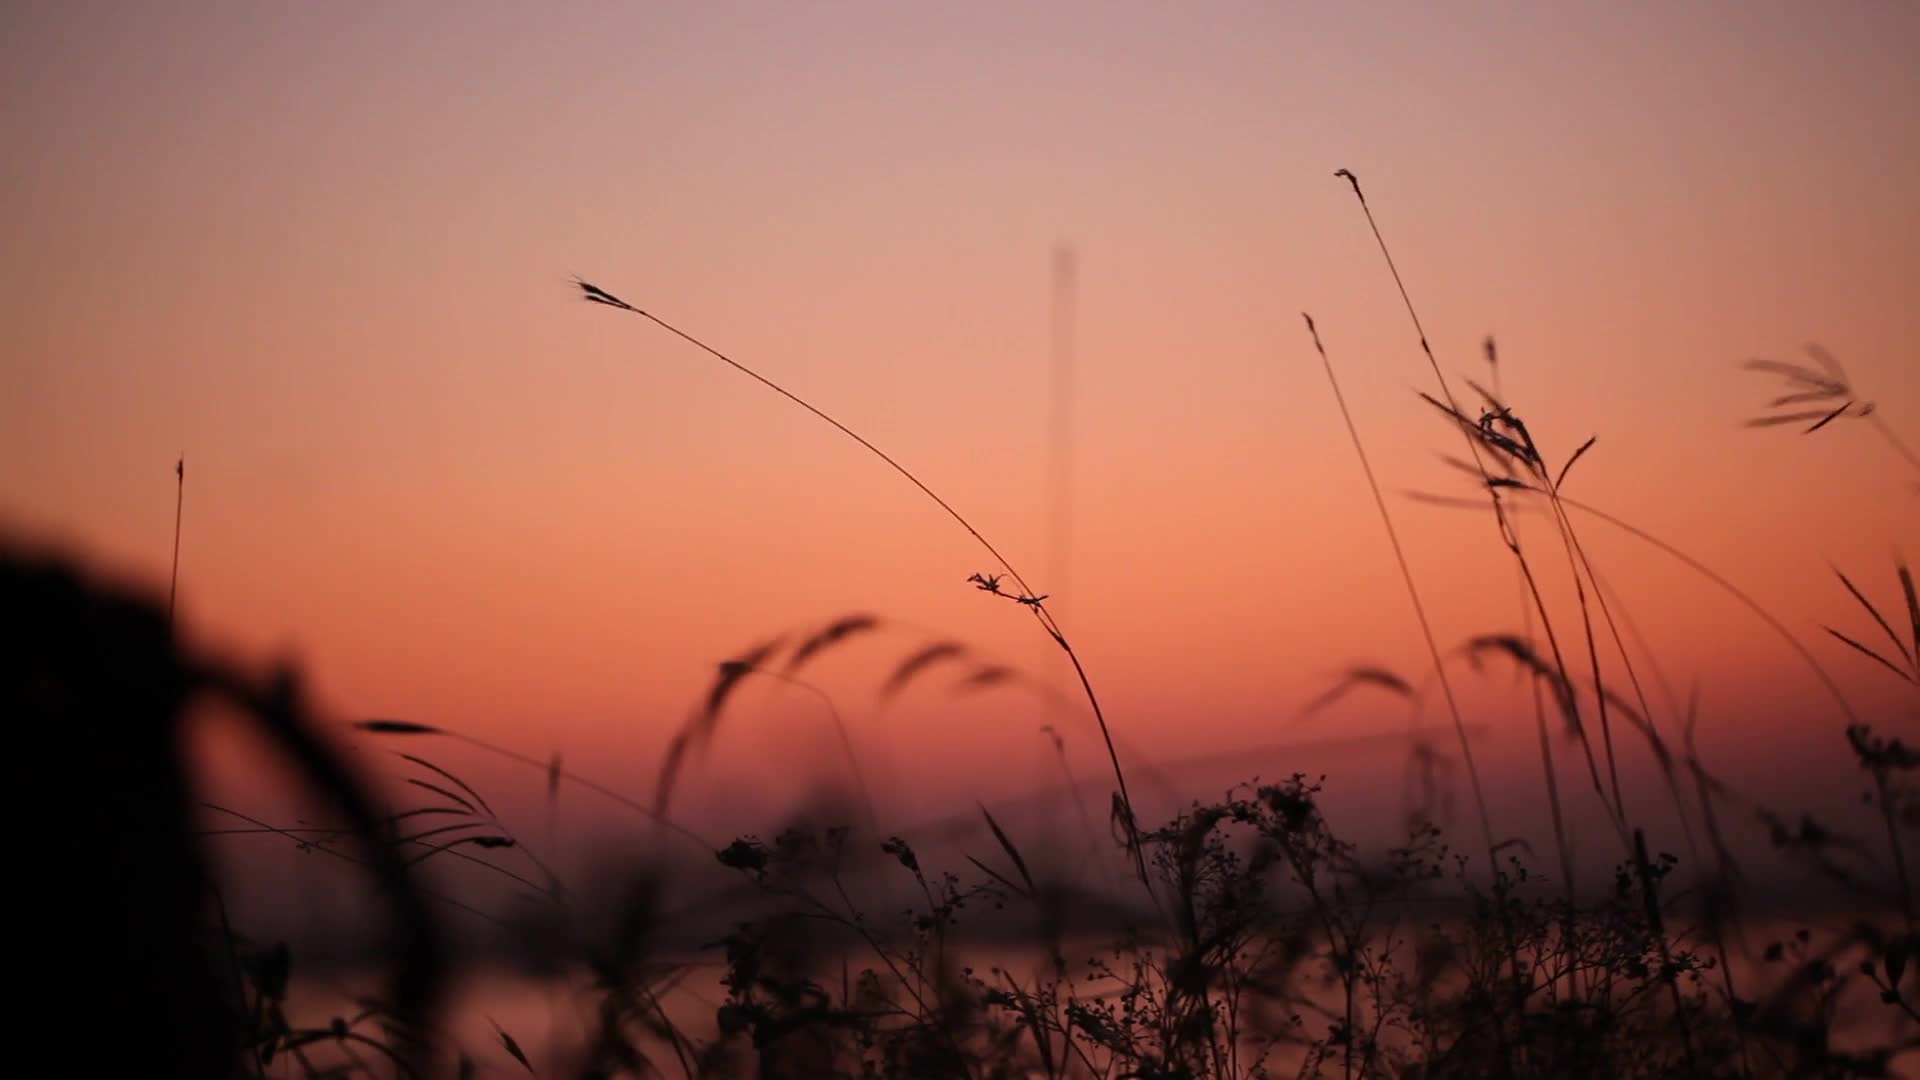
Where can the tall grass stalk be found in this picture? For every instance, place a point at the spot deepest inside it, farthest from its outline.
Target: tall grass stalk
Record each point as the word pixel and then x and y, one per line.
pixel 1440 672
pixel 1028 597
pixel 1656 741
pixel 1413 592
pixel 1576 561
pixel 1507 534
pixel 1577 565
pixel 1654 737
pixel 1562 847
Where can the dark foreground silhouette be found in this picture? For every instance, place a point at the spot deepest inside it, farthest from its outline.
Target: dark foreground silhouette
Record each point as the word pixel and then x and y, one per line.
pixel 128 967
pixel 1262 942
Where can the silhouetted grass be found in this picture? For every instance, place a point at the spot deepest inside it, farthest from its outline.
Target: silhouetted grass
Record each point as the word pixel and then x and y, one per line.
pixel 1027 597
pixel 1406 576
pixel 1822 389
pixel 1267 941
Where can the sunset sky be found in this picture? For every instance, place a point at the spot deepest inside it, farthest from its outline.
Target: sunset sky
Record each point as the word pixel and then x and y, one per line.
pixel 325 252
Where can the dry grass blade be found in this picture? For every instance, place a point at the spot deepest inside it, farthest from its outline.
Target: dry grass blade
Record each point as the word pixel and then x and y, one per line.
pixel 1521 652
pixel 425 811
pixel 1641 724
pixel 397 727
pixel 830 635
pixel 1796 373
pixel 1120 823
pixel 703 727
pixel 1354 678
pixel 1800 398
pixel 1827 361
pixel 1913 607
pixel 727 678
pixel 1451 412
pixel 982 677
pixel 461 784
pixel 1564 469
pixel 1468 467
pixel 513 1048
pixel 553 770
pixel 427 834
pixel 322 847
pixel 919 662
pixel 1785 418
pixel 670 763
pixel 997 876
pixel 1447 409
pixel 1876 657
pixel 443 793
pixel 1006 845
pixel 1828 418
pixel 1487 397
pixel 1885 628
pixel 1450 502
pixel 476 841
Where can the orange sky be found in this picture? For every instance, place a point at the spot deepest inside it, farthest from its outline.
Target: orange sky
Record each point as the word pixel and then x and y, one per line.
pixel 324 251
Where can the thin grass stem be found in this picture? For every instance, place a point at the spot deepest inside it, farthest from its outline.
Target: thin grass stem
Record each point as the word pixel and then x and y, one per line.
pixel 1413 590
pixel 1746 600
pixel 1029 597
pixel 1507 534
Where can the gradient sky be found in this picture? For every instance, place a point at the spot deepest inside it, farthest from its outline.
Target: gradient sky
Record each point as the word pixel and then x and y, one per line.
pixel 324 251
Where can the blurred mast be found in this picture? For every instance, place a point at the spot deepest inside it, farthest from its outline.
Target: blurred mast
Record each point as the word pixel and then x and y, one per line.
pixel 1066 269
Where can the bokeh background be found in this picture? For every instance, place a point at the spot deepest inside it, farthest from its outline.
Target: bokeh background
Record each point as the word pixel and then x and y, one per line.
pixel 324 251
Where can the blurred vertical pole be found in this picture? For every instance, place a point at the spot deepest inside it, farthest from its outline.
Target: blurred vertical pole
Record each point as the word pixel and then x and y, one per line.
pixel 1058 584
pixel 1066 270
